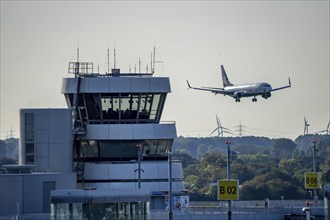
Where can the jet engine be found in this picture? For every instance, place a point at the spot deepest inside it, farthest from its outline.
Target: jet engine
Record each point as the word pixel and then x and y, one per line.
pixel 237 95
pixel 266 95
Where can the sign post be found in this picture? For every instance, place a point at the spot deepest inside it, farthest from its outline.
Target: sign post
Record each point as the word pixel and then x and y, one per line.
pixel 312 180
pixel 228 190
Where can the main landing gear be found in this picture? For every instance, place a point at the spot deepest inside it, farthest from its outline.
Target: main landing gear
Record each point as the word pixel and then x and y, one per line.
pixel 237 100
pixel 254 99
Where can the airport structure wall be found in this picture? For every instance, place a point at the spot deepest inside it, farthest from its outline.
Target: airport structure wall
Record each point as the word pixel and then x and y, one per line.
pixel 122 175
pixel 46 139
pixel 30 193
pixel 117 85
pixel 131 131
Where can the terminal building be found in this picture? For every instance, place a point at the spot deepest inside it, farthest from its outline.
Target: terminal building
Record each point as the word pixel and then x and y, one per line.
pixel 110 140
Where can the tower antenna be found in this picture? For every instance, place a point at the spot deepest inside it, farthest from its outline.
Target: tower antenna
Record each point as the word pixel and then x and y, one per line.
pixel 108 60
pixel 114 56
pixel 153 60
pixel 78 53
pixel 151 64
pixel 76 66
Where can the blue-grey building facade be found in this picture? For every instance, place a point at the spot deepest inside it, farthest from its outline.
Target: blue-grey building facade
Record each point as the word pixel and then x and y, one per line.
pixel 116 116
pixel 110 138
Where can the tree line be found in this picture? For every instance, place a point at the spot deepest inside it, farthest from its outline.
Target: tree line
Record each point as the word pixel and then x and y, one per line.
pixel 265 169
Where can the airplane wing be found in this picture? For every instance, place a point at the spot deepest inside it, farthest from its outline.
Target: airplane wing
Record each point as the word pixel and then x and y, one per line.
pixel 210 89
pixel 283 87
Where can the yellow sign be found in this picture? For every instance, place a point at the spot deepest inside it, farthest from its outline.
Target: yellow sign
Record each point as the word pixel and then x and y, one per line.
pixel 228 190
pixel 312 180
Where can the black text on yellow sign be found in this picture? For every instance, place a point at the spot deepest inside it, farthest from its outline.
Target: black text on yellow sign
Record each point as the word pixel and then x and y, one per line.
pixel 228 190
pixel 312 180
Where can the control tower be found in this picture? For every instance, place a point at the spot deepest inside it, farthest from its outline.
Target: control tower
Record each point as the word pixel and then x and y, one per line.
pixel 119 141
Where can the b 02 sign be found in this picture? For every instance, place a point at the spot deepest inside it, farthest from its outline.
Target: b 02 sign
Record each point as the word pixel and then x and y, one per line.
pixel 312 180
pixel 228 190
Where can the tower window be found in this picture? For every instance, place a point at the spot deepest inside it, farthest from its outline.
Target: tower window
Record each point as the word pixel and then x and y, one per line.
pixel 29 138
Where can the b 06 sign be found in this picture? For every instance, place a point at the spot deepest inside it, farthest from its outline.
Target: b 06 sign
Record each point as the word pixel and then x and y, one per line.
pixel 312 180
pixel 228 190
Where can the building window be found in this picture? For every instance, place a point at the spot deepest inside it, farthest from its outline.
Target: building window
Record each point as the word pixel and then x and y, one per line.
pixel 29 127
pixel 121 150
pixel 155 106
pixel 156 147
pixel 89 149
pixel 29 138
pixel 107 108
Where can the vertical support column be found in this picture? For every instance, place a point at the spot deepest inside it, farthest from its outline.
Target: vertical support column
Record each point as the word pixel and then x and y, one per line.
pixel 170 214
pixel 139 168
pixel 308 215
pixel 326 190
pixel 228 177
pixel 17 210
pixel 70 217
pixel 139 148
pixel 314 168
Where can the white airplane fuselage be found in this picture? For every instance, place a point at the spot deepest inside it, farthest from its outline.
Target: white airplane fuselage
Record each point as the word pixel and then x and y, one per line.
pixel 239 91
pixel 248 90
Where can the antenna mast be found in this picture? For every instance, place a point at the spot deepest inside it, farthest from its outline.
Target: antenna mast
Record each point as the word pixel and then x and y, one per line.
pixel 78 54
pixel 76 67
pixel 108 60
pixel 114 58
pixel 153 61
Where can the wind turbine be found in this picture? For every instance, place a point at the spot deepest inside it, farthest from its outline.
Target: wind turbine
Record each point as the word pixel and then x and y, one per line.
pixel 327 131
pixel 220 129
pixel 306 126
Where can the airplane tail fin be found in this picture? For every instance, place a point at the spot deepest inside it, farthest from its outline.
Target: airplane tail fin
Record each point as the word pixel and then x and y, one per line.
pixel 225 79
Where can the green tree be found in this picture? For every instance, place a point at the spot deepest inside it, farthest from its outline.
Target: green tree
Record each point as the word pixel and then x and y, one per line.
pixel 272 185
pixel 276 171
pixel 241 172
pixel 249 149
pixel 185 159
pixel 282 148
pixel 325 171
pixel 290 166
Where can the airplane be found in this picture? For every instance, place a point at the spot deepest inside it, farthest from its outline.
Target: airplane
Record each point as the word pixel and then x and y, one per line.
pixel 240 91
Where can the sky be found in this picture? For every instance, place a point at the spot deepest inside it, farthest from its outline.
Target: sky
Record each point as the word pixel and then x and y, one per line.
pixel 256 41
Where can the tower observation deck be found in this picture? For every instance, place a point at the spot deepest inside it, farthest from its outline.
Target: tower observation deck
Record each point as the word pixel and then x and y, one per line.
pixel 114 116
